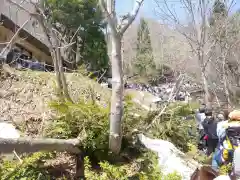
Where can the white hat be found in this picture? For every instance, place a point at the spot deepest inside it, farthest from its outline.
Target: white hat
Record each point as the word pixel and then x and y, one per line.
pixel 222 177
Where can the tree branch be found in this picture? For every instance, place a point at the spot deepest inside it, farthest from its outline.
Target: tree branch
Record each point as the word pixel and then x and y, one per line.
pixel 53 45
pixel 14 37
pixel 174 90
pixel 27 145
pixel 131 16
pixel 108 16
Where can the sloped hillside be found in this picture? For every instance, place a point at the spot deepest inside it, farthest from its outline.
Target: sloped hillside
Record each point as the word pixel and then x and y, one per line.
pixel 26 96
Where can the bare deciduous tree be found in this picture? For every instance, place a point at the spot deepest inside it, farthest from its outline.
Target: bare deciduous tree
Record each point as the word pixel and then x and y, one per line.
pixel 54 45
pixel 195 28
pixel 54 48
pixel 197 38
pixel 226 33
pixel 25 144
pixel 116 31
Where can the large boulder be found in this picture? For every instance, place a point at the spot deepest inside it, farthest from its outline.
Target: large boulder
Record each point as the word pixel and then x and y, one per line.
pixel 170 158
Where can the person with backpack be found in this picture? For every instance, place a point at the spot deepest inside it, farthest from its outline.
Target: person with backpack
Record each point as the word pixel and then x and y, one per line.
pixel 228 132
pixel 218 158
pixel 210 129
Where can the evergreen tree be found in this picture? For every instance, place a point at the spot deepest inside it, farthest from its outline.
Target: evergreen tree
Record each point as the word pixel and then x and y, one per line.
pixel 83 17
pixel 144 65
pixel 218 21
pixel 219 12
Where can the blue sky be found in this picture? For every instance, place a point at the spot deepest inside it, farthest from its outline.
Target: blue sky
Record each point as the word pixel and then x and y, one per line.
pixel 124 6
pixel 147 10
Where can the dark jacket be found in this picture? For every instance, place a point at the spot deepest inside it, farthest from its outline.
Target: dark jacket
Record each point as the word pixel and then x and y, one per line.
pixel 210 127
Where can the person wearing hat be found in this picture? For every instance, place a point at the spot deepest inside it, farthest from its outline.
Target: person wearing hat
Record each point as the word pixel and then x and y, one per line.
pixel 220 117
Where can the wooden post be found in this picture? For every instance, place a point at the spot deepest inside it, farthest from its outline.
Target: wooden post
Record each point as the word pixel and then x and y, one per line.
pixel 80 167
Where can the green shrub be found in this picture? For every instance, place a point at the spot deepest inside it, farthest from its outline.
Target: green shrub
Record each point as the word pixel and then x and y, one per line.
pixel 85 120
pixel 171 126
pixel 90 122
pixel 172 176
pixel 148 169
pixel 30 169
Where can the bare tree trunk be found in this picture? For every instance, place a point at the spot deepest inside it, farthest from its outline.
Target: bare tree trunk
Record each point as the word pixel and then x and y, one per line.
pixel 215 94
pixel 12 41
pixel 117 96
pixel 61 74
pixel 27 145
pixel 79 167
pixel 56 68
pixel 52 41
pixel 114 50
pixel 56 54
pixel 78 54
pixel 203 66
pixel 225 82
pixel 53 45
pixel 115 34
pixel 206 90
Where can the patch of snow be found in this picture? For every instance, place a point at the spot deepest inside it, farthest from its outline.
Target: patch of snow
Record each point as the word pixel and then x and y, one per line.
pixel 170 158
pixel 156 100
pixel 104 85
pixel 8 131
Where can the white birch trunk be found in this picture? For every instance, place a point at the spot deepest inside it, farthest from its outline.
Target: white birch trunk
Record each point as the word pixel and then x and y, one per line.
pixel 115 34
pixel 115 137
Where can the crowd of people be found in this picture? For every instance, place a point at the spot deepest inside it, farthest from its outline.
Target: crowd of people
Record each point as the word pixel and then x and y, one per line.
pixel 161 92
pixel 219 136
pixel 19 58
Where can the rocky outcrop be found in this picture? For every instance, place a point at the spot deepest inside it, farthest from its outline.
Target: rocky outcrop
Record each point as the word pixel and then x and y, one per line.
pixel 170 158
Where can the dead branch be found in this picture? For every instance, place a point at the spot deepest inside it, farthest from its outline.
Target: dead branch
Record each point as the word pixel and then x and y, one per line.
pixel 14 152
pixel 9 44
pixel 67 45
pixel 109 16
pixel 126 22
pixel 102 75
pixel 171 96
pixel 130 17
pixel 29 145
